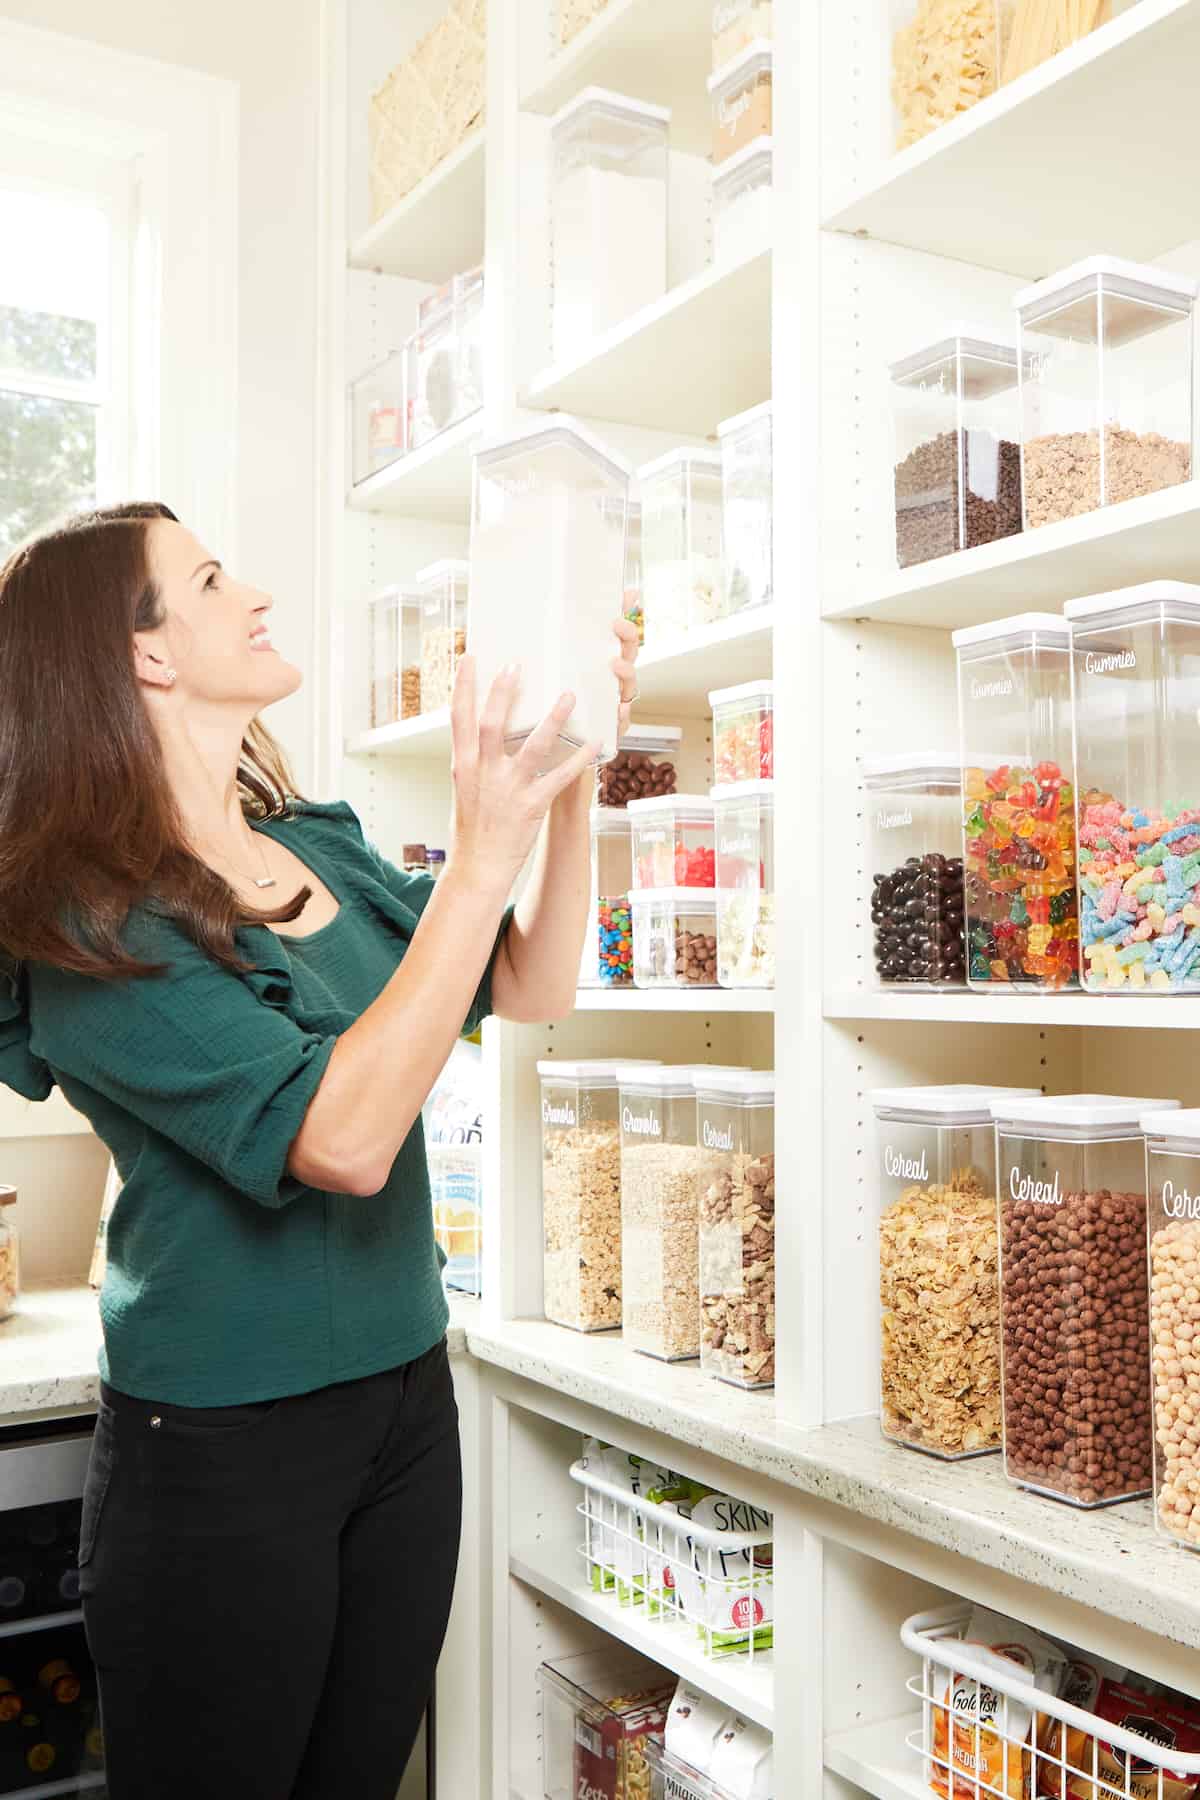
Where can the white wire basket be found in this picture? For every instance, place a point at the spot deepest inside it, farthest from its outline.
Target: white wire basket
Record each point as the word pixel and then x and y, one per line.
pixel 717 1583
pixel 1002 1738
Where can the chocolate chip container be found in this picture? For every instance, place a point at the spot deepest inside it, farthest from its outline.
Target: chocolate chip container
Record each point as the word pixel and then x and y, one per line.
pixel 1173 1197
pixel 735 1127
pixel 674 937
pixel 1074 1296
pixel 939 1284
pixel 914 869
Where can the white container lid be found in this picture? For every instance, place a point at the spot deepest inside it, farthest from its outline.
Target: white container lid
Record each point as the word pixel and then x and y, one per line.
pixel 960 340
pixel 1080 276
pixel 1079 1111
pixel 675 459
pixel 699 803
pixel 555 427
pixel 643 737
pixel 927 765
pixel 745 66
pixel 748 690
pixel 762 787
pixel 609 818
pixel 961 1103
pixel 682 1075
pixel 602 1073
pixel 1020 624
pixel 684 900
pixel 761 148
pixel 1182 1126
pixel 447 568
pixel 1183 594
pixel 598 96
pixel 751 416
pixel 733 1081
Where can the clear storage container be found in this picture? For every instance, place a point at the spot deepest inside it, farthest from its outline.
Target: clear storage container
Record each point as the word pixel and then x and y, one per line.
pixel 1106 388
pixel 601 1712
pixel 1074 1300
pixel 682 583
pixel 742 1766
pixel 10 1255
pixel 939 1284
pixel 674 937
pixel 445 358
pixel 456 1189
pixel 741 100
pixel 644 766
pixel 737 24
pixel 735 1126
pixel 581 1193
pixel 1014 688
pixel 608 946
pixel 608 214
pixel 395 656
pixel 943 62
pixel 673 842
pixel 741 203
pixel 378 417
pixel 1173 1195
pixel 745 833
pixel 956 440
pixel 743 732
pixel 443 590
pixel 914 869
pixel 1136 668
pixel 633 608
pixel 547 576
pixel 746 491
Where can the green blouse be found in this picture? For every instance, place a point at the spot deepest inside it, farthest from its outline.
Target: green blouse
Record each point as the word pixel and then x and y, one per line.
pixel 228 1280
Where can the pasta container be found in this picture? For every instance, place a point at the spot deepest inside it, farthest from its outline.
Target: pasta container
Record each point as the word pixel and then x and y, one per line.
pixel 673 841
pixel 674 937
pixel 913 817
pixel 745 834
pixel 682 583
pixel 644 766
pixel 600 1713
pixel 943 63
pixel 378 417
pixel 1173 1199
pixel 741 100
pixel 743 732
pixel 608 945
pixel 746 488
pixel 394 674
pixel 443 590
pixel 741 202
pixel 735 1127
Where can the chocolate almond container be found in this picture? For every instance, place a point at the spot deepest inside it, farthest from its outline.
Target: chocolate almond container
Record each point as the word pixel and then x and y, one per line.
pixel 915 869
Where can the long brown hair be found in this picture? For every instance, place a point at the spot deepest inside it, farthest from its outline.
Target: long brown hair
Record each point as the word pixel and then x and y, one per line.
pixel 89 827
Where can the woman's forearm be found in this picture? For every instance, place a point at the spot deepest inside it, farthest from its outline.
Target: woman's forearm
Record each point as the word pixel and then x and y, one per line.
pixel 537 970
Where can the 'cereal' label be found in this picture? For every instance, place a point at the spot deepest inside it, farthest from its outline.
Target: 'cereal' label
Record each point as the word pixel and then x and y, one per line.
pixel 717 1140
pixel 908 1168
pixel 1042 1193
pixel 1178 1203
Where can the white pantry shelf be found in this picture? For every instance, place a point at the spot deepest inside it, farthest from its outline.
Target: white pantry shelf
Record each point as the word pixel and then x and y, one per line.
pixel 70 1784
pixel 437 230
pixel 433 482
pixel 557 1570
pixel 689 1000
pixel 428 735
pixel 42 1622
pixel 719 655
pixel 878 1760
pixel 693 358
pixel 1015 183
pixel 1121 1012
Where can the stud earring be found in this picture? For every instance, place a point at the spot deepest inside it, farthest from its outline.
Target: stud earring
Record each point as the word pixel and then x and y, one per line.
pixel 171 677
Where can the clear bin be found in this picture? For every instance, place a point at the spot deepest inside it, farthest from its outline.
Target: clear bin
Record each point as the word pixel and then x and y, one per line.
pixel 1136 666
pixel 1173 1195
pixel 743 732
pixel 735 1127
pixel 378 418
pixel 600 1714
pixel 745 833
pixel 644 766
pixel 956 444
pixel 942 62
pixel 395 656
pixel 443 590
pixel 548 543
pixel 741 203
pixel 581 1193
pixel 914 869
pixel 673 842
pixel 608 945
pixel 445 358
pixel 746 488
pixel 456 1189
pixel 1106 389
pixel 633 608
pixel 1014 687
pixel 1074 1300
pixel 744 1749
pixel 10 1256
pixel 608 214
pixel 939 1283
pixel 682 582
pixel 741 100
pixel 674 937
pixel 737 24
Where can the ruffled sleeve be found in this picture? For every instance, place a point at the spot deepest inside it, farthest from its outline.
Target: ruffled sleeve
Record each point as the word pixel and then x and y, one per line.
pixel 20 1068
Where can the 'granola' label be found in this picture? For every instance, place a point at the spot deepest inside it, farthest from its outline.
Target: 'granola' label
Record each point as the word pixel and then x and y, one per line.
pixel 558 1115
pixel 641 1124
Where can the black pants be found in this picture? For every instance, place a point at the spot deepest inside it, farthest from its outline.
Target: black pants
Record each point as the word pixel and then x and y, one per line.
pixel 266 1587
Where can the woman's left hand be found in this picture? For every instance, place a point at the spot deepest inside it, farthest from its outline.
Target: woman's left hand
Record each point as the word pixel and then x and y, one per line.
pixel 623 668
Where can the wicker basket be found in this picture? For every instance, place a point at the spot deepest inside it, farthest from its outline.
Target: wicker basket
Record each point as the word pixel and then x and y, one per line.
pixel 573 15
pixel 428 104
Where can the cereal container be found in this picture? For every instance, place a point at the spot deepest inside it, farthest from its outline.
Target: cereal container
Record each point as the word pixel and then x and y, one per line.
pixel 395 656
pixel 741 203
pixel 735 25
pixel 1173 1196
pixel 735 1127
pixel 745 833
pixel 744 732
pixel 1106 386
pixel 443 590
pixel 914 869
pixel 633 608
pixel 741 100
pixel 681 543
pixel 939 1284
pixel 660 1197
pixel 10 1256
pixel 608 214
pixel 1014 693
pixel 956 438
pixel 601 1712
pixel 581 1193
pixel 644 766
pixel 746 487
pixel 1074 1299
pixel 1136 668
pixel 445 358
pixel 548 575
pixel 673 841
pixel 378 418
pixel 608 946
pixel 674 937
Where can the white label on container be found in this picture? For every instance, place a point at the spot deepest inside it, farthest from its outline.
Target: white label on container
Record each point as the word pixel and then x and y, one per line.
pixel 557 1115
pixel 726 15
pixel 717 1140
pixel 651 837
pixel 1102 665
pixel 1042 1193
pixel 991 690
pixel 908 1168
pixel 1178 1203
pixel 641 1124
pixel 589 1737
pixel 736 846
pixel 885 821
pixel 730 111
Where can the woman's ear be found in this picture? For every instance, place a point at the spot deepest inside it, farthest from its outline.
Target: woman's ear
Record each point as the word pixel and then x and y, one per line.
pixel 149 666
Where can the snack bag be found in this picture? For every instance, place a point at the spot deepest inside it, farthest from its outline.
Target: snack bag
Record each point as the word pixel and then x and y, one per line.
pixel 729 1594
pixel 694 1723
pixel 1098 1771
pixel 609 1761
pixel 669 1550
pixel 742 1763
pixel 982 1739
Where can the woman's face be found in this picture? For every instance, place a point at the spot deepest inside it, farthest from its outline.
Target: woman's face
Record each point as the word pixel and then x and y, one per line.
pixel 215 634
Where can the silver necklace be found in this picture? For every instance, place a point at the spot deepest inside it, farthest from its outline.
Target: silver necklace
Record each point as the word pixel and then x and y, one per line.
pixel 266 879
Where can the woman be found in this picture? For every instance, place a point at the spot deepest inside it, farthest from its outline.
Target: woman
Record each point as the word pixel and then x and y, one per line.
pixel 251 1006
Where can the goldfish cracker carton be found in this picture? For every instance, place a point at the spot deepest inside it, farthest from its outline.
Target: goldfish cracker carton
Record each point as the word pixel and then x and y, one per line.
pixel 982 1739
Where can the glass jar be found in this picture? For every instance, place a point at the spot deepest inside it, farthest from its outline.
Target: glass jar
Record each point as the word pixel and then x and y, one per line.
pixel 608 946
pixel 1106 389
pixel 914 869
pixel 581 1193
pixel 633 608
pixel 1136 670
pixel 743 732
pixel 939 1284
pixel 1074 1298
pixel 746 489
pixel 741 203
pixel 674 937
pixel 548 543
pixel 1014 688
pixel 10 1255
pixel 741 100
pixel 395 656
pixel 644 766
pixel 735 25
pixel 735 1127
pixel 745 834
pixel 378 417
pixel 608 214
pixel 673 842
pixel 956 437
pixel 681 543
pixel 601 1713
pixel 1173 1194
pixel 443 590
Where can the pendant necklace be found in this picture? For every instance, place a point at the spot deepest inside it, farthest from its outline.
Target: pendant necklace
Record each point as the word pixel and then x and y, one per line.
pixel 266 879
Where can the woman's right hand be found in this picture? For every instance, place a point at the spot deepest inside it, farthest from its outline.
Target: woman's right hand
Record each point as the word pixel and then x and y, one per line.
pixel 501 800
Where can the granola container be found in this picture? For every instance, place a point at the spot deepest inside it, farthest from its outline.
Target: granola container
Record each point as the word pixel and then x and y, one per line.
pixel 443 590
pixel 674 937
pixel 673 841
pixel 741 202
pixel 394 655
pixel 608 944
pixel 581 1193
pixel 10 1255
pixel 644 766
pixel 682 581
pixel 746 489
pixel 1173 1196
pixel 914 869
pixel 741 100
pixel 378 417
pixel 745 838
pixel 939 1284
pixel 735 1127
pixel 743 732
pixel 600 1713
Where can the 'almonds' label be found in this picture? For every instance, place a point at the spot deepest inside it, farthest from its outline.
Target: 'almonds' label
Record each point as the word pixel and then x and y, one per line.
pixel 885 821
